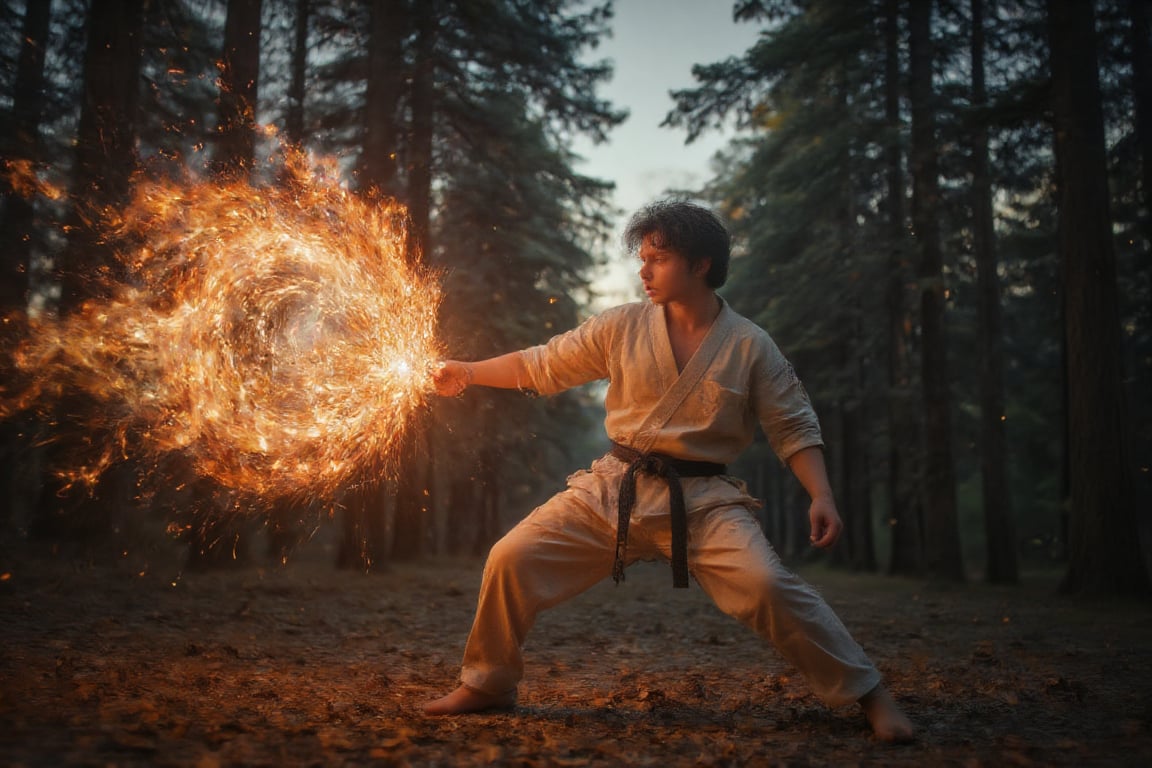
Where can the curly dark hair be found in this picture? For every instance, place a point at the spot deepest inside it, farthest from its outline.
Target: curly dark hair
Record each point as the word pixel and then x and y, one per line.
pixel 691 230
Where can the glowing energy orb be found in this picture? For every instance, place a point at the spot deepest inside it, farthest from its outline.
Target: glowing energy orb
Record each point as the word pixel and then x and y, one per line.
pixel 274 337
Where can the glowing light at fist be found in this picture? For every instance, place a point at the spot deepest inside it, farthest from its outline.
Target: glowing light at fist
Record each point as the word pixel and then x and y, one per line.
pixel 274 336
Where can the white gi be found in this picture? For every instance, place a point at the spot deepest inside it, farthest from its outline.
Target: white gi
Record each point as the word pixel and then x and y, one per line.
pixel 707 412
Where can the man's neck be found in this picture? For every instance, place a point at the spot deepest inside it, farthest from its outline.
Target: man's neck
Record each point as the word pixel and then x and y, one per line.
pixel 693 313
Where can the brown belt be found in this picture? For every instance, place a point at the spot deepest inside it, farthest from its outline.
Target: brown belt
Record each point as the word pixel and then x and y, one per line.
pixel 670 469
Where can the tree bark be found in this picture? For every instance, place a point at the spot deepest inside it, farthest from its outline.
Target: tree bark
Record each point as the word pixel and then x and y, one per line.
pixel 239 80
pixel 858 486
pixel 1103 542
pixel 856 507
pixel 941 529
pixel 413 499
pixel 21 142
pixel 907 548
pixel 412 493
pixel 104 163
pixel 422 131
pixel 217 538
pixel 999 532
pixel 839 464
pixel 1142 97
pixel 462 502
pixel 389 24
pixel 1139 16
pixel 363 536
pixel 105 141
pixel 297 84
pixel 488 528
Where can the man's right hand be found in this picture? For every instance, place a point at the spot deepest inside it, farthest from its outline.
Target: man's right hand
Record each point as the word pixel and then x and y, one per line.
pixel 451 377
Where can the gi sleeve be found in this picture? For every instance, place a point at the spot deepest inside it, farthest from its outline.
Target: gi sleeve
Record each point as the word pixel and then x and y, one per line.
pixel 570 359
pixel 781 404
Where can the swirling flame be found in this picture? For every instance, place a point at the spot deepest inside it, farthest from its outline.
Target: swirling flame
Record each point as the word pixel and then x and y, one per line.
pixel 272 336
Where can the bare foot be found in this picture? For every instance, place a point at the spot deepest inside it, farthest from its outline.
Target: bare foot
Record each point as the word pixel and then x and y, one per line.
pixel 888 722
pixel 465 701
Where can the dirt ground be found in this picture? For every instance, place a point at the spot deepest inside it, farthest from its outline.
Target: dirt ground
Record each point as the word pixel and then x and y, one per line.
pixel 307 666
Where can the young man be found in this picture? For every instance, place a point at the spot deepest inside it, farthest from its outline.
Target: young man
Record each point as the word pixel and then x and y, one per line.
pixel 689 379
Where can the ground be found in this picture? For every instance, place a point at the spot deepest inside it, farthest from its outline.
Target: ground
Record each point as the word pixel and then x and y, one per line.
pixel 307 666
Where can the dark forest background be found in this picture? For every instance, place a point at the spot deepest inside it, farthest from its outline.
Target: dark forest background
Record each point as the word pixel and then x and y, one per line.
pixel 941 212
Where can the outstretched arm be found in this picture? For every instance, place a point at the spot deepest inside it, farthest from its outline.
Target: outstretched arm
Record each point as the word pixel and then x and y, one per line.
pixel 503 372
pixel 808 466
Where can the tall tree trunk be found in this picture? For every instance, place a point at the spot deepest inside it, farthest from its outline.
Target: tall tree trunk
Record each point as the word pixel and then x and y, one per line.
pixel 413 499
pixel 1103 543
pixel 999 532
pixel 20 142
pixel 462 504
pixel 857 481
pixel 941 529
pixel 286 525
pixel 1139 11
pixel 389 24
pixel 839 461
pixel 364 541
pixel 907 546
pixel 855 501
pixel 104 163
pixel 239 81
pixel 105 141
pixel 422 130
pixel 1142 97
pixel 487 478
pixel 297 84
pixel 219 537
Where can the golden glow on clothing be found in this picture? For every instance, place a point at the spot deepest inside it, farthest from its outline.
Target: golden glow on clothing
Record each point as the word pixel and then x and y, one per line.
pixel 736 379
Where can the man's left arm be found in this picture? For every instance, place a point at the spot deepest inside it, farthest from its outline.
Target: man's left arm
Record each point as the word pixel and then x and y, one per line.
pixel 808 466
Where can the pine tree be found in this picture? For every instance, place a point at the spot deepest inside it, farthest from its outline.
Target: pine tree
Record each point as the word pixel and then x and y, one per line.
pixel 1104 554
pixel 235 140
pixel 20 143
pixel 906 554
pixel 941 532
pixel 998 529
pixel 216 537
pixel 105 158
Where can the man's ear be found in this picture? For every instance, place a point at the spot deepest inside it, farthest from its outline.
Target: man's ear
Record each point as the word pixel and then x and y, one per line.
pixel 700 268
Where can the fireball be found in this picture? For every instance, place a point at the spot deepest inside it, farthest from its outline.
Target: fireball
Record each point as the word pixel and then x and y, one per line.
pixel 273 337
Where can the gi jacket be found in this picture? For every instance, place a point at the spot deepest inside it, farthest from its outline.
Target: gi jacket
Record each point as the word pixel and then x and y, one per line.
pixel 707 412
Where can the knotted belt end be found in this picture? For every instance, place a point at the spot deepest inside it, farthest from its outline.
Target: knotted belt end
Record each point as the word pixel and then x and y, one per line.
pixel 618 563
pixel 670 469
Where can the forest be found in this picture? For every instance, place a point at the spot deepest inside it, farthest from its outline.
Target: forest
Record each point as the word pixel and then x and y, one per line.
pixel 940 212
pixel 906 195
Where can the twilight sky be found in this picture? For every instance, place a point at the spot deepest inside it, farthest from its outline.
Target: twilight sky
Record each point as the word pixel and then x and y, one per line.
pixel 654 45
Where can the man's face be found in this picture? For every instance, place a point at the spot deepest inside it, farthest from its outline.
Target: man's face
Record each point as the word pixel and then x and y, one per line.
pixel 667 275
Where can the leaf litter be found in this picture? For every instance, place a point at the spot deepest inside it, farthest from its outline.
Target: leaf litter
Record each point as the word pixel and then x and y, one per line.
pixel 308 666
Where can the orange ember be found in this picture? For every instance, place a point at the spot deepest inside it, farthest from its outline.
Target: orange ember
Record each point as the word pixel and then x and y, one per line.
pixel 272 336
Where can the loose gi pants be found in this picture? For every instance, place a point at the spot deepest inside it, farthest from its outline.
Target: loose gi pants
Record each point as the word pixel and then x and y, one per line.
pixel 568 544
